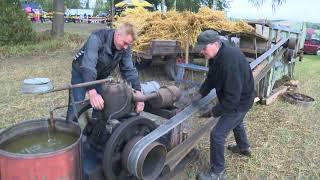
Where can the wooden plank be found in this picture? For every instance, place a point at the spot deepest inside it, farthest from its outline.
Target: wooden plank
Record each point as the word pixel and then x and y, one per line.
pixel 275 94
pixel 268 53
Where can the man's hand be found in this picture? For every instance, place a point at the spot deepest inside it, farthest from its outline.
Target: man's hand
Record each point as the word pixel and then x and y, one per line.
pixel 196 97
pixel 139 105
pixel 207 113
pixel 96 100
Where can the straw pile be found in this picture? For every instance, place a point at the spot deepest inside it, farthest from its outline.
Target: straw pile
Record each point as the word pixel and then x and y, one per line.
pixel 180 26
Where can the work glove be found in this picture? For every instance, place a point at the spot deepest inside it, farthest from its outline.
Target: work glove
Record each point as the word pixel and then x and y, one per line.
pixel 207 113
pixel 196 97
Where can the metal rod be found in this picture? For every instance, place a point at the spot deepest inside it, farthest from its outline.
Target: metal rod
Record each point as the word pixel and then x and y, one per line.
pixel 267 53
pixel 144 98
pixel 72 86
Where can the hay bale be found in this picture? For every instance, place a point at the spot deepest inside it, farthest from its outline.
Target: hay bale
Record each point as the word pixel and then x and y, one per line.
pixel 181 26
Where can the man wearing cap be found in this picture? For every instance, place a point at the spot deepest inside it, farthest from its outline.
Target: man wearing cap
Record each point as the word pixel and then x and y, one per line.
pixel 231 76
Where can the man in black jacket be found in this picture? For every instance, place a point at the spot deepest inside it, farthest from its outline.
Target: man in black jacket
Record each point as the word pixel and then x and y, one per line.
pixel 101 54
pixel 231 76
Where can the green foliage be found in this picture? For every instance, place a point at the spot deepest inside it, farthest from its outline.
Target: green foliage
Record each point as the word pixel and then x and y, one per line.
pixel 100 7
pixel 275 3
pixel 194 5
pixel 16 28
pixel 72 4
pixel 47 5
pixel 313 25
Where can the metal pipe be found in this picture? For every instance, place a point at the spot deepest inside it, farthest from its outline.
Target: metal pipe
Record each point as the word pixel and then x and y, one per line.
pixel 72 86
pixel 144 98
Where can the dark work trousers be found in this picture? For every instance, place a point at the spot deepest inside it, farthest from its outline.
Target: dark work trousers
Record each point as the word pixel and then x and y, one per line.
pixel 79 94
pixel 231 121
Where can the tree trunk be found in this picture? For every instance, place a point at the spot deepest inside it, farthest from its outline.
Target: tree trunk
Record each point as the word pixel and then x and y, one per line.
pixel 162 6
pixel 58 18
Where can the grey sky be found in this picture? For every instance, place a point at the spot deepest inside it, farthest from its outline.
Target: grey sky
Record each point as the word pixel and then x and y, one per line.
pixel 297 10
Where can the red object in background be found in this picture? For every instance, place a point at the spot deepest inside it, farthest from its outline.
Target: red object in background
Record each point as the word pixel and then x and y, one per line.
pixel 311 46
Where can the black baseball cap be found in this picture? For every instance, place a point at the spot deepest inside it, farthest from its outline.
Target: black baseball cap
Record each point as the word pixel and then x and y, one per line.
pixel 205 38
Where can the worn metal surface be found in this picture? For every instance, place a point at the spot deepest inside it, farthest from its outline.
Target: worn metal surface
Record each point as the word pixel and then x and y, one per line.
pixel 182 116
pixel 163 129
pixel 70 86
pixel 166 97
pixel 179 152
pixel 36 86
pixel 64 163
pixel 268 53
pixel 130 128
pixel 299 99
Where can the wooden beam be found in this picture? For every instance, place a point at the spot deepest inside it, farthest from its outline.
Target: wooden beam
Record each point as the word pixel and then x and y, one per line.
pixel 275 94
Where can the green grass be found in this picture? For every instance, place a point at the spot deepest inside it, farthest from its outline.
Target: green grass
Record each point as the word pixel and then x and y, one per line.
pixel 43 45
pixel 75 35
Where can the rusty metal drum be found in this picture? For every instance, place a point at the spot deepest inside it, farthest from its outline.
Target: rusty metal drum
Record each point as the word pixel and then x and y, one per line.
pixel 63 163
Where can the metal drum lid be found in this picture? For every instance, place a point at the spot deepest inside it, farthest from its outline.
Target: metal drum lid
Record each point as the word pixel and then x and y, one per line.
pixel 36 85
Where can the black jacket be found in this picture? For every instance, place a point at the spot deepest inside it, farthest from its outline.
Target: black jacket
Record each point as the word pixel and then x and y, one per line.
pixel 231 76
pixel 97 59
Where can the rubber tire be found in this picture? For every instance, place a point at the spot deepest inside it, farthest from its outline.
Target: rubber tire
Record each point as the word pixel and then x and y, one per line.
pixel 288 98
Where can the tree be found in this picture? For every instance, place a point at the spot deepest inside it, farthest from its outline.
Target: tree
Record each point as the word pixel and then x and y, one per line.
pixel 156 3
pixel 72 4
pixel 87 4
pixel 181 5
pixel 46 5
pixel 58 18
pixel 16 28
pixel 194 5
pixel 275 3
pixel 217 4
pixel 101 6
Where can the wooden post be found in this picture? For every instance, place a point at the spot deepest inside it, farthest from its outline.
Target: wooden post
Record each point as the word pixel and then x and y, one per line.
pixel 162 6
pixel 112 13
pixel 58 18
pixel 255 47
pixel 187 50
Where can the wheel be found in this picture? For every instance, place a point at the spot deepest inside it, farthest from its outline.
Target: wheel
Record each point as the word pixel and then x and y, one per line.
pixel 129 129
pixel 299 99
pixel 171 69
pixel 318 53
